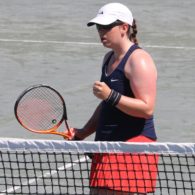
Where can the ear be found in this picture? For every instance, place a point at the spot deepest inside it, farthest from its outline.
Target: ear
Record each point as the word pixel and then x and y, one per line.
pixel 124 29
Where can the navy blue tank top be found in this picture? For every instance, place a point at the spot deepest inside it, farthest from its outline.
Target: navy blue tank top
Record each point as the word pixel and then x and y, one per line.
pixel 115 125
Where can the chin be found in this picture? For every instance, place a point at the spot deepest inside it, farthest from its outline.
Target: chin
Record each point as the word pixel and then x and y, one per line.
pixel 107 45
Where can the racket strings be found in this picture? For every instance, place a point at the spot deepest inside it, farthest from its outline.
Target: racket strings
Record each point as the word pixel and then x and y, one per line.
pixel 41 109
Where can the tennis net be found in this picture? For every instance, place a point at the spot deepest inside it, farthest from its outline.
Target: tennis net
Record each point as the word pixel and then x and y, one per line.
pixel 71 167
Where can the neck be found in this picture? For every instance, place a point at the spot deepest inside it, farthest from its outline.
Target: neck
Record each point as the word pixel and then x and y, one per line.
pixel 121 50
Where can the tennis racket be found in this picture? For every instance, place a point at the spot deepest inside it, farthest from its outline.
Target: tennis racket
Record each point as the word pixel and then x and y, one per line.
pixel 41 109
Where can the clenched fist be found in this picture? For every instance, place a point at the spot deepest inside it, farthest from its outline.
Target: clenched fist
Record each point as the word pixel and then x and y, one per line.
pixel 101 90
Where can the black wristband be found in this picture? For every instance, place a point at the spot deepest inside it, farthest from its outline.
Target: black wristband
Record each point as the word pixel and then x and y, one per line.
pixel 113 98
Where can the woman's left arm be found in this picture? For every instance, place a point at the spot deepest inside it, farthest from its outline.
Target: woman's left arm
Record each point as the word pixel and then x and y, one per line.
pixel 142 74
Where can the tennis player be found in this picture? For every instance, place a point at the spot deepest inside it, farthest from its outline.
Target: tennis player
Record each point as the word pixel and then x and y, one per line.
pixel 128 91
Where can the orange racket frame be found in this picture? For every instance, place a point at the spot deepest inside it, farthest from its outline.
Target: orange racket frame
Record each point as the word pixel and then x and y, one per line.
pixel 52 130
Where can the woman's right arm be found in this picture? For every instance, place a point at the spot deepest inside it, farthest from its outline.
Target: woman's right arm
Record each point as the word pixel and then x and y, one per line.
pixel 90 126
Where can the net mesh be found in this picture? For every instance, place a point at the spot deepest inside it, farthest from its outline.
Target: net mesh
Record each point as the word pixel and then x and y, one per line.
pixel 60 167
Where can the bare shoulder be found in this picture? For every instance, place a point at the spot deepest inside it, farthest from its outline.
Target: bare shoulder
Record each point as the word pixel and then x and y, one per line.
pixel 140 60
pixel 140 55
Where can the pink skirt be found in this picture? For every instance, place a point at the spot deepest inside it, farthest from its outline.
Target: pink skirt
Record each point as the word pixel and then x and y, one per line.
pixel 134 173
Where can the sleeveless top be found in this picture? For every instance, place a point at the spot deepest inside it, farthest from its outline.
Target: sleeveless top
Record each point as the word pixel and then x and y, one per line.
pixel 113 124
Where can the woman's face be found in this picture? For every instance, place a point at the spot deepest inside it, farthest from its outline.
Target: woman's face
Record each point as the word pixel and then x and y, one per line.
pixel 110 35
